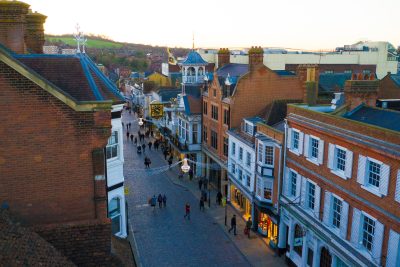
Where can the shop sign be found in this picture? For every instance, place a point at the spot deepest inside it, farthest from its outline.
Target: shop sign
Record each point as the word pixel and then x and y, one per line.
pixel 126 190
pixel 156 110
pixel 298 241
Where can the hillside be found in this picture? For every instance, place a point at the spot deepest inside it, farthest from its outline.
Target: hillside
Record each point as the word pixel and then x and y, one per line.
pixel 137 57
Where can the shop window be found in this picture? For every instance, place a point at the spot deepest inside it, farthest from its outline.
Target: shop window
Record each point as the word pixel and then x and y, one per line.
pixel 114 213
pixel 298 240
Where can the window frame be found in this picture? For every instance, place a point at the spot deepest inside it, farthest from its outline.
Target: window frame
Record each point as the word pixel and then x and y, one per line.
pixel 114 145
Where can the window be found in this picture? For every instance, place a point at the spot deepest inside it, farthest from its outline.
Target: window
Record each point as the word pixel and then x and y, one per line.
pixel 233 151
pixel 205 110
pixel 214 112
pixel 248 180
pixel 374 173
pixel 194 133
pixel 311 195
pixel 226 117
pixel 366 71
pixel 269 155
pixel 336 212
pixel 214 93
pixel 114 213
pixel 314 148
pixel 240 174
pixel 183 129
pixel 329 71
pixel 368 231
pixel 240 153
pixel 293 183
pixel 260 152
pixel 340 161
pixel 248 159
pixel 348 71
pixel 248 128
pixel 205 134
pixel 233 168
pixel 112 145
pixel 267 193
pixel 226 146
pixel 214 139
pixel 296 139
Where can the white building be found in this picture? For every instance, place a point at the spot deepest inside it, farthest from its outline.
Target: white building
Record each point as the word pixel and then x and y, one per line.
pixel 381 54
pixel 115 175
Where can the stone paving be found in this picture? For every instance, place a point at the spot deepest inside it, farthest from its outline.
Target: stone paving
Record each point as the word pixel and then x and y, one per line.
pixel 163 237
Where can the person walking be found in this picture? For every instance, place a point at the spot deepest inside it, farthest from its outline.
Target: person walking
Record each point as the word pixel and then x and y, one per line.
pixel 202 203
pixel 170 161
pixel 165 154
pixel 200 183
pixel 150 145
pixel 131 137
pixel 135 140
pixel 160 200
pixel 187 211
pixel 127 133
pixel 164 200
pixel 219 198
pixel 130 124
pixel 248 227
pixel 190 174
pixel 153 201
pixel 205 184
pixel 144 148
pixel 233 224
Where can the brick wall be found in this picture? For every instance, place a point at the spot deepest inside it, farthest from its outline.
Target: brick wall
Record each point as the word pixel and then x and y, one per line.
pixel 86 243
pixel 46 153
pixel 388 89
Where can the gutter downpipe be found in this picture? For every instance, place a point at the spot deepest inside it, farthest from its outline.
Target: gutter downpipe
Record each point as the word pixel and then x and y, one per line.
pixel 284 167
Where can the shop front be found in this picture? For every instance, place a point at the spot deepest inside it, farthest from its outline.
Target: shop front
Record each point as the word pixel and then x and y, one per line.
pixel 267 223
pixel 240 201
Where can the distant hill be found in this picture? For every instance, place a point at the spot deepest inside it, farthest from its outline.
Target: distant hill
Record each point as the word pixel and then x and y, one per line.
pixel 137 57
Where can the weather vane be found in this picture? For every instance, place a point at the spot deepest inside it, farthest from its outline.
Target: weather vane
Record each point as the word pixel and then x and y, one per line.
pixel 80 39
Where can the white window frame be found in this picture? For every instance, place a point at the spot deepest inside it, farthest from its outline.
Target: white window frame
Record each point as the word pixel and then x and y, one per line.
pixel 240 174
pixel 241 153
pixel 233 168
pixel 260 149
pixel 288 184
pixel 332 161
pixel 265 155
pixel 248 159
pixel 318 160
pixel 112 145
pixel 248 180
pixel 233 151
pixel 393 250
pixel 328 214
pixel 363 175
pixel 290 140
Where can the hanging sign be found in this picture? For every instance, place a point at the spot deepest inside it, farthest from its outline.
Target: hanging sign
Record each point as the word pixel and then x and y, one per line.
pixel 156 110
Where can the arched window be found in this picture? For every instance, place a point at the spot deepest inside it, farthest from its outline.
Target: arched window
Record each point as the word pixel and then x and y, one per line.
pixel 191 71
pixel 114 213
pixel 201 71
pixel 326 258
pixel 298 240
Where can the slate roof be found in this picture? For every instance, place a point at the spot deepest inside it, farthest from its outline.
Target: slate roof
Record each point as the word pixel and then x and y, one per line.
pixel 192 105
pixel 193 90
pixel 21 247
pixel 396 79
pixel 194 58
pixel 167 93
pixel 384 118
pixel 76 75
pixel 331 82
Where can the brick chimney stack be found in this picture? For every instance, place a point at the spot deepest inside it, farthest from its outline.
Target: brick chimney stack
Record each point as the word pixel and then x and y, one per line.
pixel 256 57
pixel 361 91
pixel 224 57
pixel 34 33
pixel 12 25
pixel 309 77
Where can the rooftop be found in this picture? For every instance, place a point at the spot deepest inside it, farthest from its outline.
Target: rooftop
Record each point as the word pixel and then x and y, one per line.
pixel 331 82
pixel 396 79
pixel 194 58
pixel 383 118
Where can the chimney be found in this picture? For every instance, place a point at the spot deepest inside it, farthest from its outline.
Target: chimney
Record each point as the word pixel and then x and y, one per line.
pixel 224 57
pixel 309 77
pixel 361 91
pixel 12 25
pixel 34 32
pixel 256 57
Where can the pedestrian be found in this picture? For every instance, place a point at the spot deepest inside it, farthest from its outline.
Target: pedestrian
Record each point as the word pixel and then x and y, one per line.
pixel 248 227
pixel 144 148
pixel 233 224
pixel 150 144
pixel 131 137
pixel 156 145
pixel 200 183
pixel 127 125
pixel 204 194
pixel 190 174
pixel 187 211
pixel 127 135
pixel 164 200
pixel 170 161
pixel 165 154
pixel 123 125
pixel 153 201
pixel 202 203
pixel 219 198
pixel 152 133
pixel 205 184
pixel 160 200
pixel 135 140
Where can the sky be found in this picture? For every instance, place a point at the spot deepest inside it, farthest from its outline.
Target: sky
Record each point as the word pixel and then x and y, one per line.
pixel 306 24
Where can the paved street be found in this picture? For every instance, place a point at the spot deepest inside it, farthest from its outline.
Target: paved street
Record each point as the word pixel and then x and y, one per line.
pixel 163 237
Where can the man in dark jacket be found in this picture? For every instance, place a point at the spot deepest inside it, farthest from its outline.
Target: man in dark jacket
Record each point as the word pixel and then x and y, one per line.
pixel 233 225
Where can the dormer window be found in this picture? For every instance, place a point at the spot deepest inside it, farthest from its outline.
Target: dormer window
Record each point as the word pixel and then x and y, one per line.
pixel 249 128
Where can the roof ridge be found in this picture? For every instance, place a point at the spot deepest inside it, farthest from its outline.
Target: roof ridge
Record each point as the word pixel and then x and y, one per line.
pixel 91 81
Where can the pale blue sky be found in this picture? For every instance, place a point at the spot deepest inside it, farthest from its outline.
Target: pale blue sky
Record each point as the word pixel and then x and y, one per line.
pixel 307 24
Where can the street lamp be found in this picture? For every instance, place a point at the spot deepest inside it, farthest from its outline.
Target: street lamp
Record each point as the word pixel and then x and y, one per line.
pixel 185 166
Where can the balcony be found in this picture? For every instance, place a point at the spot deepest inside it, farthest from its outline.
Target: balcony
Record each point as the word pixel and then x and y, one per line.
pixel 193 79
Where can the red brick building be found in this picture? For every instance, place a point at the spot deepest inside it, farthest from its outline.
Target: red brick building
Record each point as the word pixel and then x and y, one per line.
pixel 56 121
pixel 341 186
pixel 240 91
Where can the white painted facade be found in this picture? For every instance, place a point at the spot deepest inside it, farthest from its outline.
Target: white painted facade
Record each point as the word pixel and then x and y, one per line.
pixel 377 55
pixel 115 177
